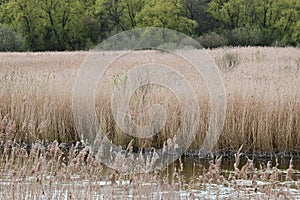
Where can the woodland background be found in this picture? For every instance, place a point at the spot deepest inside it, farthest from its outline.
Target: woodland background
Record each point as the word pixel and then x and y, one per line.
pixel 60 25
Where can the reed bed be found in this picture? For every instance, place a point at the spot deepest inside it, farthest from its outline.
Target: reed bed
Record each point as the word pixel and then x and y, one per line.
pixel 262 86
pixel 57 172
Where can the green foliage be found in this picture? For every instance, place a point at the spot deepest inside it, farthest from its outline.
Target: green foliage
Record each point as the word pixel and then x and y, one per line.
pixel 227 11
pixel 275 20
pixel 197 10
pixel 288 24
pixel 165 14
pixel 77 24
pixel 52 25
pixel 118 15
pixel 246 36
pixel 11 40
pixel 67 24
pixel 212 40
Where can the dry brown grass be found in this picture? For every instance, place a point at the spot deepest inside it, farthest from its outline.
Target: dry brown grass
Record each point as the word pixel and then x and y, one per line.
pixel 262 86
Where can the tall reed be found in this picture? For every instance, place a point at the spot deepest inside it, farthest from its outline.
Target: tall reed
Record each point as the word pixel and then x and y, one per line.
pixel 263 99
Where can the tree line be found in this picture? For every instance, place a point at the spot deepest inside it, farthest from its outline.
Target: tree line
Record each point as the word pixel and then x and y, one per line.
pixel 42 25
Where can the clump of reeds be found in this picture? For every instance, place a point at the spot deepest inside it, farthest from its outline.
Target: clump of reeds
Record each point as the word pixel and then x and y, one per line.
pixel 61 171
pixel 249 181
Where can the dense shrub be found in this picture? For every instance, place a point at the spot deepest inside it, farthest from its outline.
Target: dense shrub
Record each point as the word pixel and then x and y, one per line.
pixel 228 61
pixel 212 40
pixel 246 36
pixel 11 40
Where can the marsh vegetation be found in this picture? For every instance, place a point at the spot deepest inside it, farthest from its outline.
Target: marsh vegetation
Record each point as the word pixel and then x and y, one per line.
pixel 263 100
pixel 42 158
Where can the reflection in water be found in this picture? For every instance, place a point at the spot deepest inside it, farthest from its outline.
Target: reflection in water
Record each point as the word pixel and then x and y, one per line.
pixel 194 166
